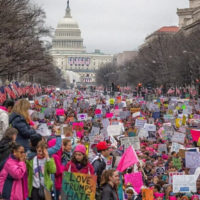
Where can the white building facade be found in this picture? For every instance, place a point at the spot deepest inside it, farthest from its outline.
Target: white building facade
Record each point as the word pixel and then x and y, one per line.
pixel 69 53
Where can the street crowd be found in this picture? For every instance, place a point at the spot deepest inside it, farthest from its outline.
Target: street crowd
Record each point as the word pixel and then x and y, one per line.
pixel 83 145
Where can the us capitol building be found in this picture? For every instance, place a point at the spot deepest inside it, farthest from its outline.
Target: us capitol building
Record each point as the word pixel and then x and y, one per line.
pixel 69 53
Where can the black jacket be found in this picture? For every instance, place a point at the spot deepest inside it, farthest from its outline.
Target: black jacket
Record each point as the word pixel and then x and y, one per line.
pixel 24 129
pixel 109 193
pixel 99 166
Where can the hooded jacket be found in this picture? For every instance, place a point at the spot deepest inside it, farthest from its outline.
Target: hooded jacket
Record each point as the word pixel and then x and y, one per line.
pixel 12 180
pixel 3 121
pixel 25 131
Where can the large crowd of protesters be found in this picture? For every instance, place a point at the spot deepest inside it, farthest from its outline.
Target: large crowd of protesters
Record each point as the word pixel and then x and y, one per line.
pixel 135 147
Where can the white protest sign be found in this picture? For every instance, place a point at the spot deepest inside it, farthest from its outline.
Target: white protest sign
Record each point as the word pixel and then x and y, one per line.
pixel 175 147
pixel 95 130
pixel 105 122
pixel 114 130
pixel 192 159
pixel 82 117
pixel 137 114
pixel 162 147
pixel 130 141
pixel 184 183
pixel 178 137
pixel 171 174
pixel 43 130
pixel 139 123
pixel 150 127
pixel 143 133
pixel 92 102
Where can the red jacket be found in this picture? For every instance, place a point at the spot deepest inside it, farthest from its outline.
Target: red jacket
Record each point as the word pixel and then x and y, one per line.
pixel 71 167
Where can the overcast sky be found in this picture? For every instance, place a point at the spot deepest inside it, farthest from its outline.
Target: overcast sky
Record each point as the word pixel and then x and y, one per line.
pixel 115 25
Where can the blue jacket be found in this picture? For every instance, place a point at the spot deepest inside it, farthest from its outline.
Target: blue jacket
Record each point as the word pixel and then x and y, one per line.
pixel 24 129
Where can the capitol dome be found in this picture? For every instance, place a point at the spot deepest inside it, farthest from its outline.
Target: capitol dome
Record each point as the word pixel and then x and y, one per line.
pixel 67 37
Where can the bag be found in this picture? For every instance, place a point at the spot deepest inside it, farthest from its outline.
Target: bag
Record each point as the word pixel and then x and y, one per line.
pixel 43 193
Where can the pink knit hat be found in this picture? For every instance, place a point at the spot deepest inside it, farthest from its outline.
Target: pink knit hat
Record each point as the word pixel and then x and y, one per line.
pixel 80 148
pixel 172 198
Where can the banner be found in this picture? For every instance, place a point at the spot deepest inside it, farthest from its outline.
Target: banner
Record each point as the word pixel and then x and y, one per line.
pixel 77 186
pixel 176 147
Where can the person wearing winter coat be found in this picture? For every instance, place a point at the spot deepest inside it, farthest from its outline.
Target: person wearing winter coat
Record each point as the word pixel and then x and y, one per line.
pixel 39 171
pixel 5 109
pixel 20 120
pixel 59 168
pixel 7 143
pixel 79 162
pixel 109 182
pixel 13 184
pixel 99 162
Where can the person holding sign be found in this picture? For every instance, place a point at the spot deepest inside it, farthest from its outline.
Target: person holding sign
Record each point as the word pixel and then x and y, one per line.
pixel 109 182
pixel 79 162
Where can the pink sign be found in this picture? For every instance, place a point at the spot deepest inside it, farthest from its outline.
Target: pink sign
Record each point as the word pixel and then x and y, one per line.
pixel 135 179
pixel 60 112
pixel 97 111
pixel 195 135
pixel 109 115
pixel 128 159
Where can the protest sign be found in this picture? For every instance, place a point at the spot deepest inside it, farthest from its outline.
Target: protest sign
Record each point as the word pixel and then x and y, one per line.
pixel 147 194
pixel 139 123
pixel 122 115
pixel 77 186
pixel 112 101
pixel 109 163
pixel 135 179
pixel 109 115
pixel 134 110
pixel 160 171
pixel 82 117
pixel 168 117
pixel 150 127
pixel 161 148
pixel 137 114
pixel 175 147
pixel 195 134
pixel 131 141
pixel 184 183
pixel 143 133
pixel 178 137
pixel 114 130
pixel 95 131
pixel 181 153
pixel 171 174
pixel 43 130
pixel 192 159
pixel 128 159
pixel 92 102
pixel 105 123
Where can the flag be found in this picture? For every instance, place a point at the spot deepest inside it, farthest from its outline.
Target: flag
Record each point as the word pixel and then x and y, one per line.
pixel 128 159
pixel 2 95
pixel 10 92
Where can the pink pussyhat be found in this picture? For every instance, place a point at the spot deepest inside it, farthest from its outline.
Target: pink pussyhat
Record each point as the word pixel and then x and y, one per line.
pixel 172 198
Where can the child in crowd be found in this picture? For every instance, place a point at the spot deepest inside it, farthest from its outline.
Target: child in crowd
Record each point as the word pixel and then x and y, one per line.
pixel 79 161
pixel 12 177
pixel 39 170
pixel 67 148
